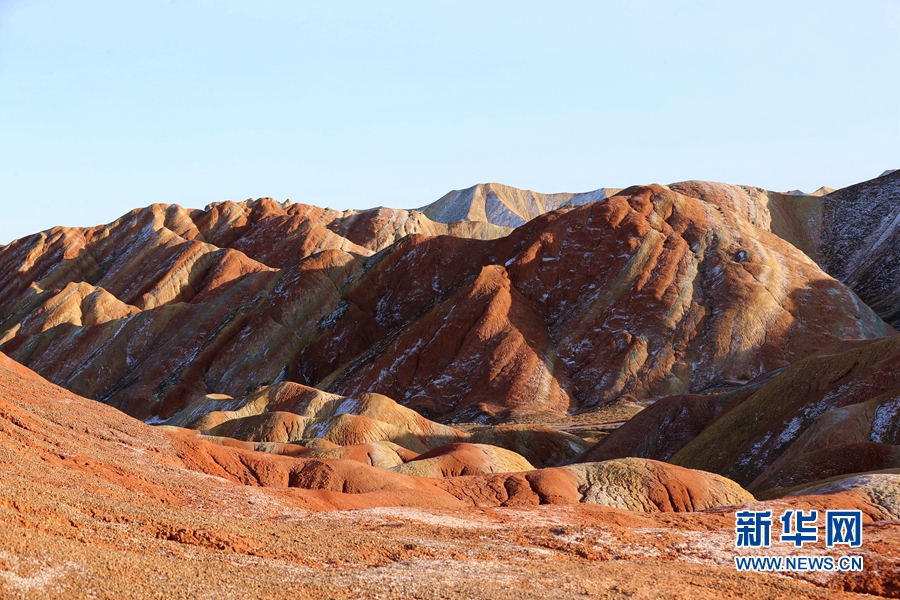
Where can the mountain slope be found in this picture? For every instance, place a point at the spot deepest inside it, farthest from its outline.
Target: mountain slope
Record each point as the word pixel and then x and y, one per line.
pixel 852 233
pixel 832 414
pixel 648 293
pixel 861 242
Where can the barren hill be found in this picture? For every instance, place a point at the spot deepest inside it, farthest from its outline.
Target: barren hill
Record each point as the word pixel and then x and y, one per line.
pixel 835 413
pixel 503 205
pixel 852 233
pixel 649 292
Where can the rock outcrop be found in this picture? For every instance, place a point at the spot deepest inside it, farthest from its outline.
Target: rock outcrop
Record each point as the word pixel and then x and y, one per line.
pixel 860 242
pixel 651 486
pixel 880 489
pixel 458 459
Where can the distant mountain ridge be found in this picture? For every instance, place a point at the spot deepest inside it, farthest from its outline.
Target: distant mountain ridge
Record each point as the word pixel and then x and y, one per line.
pixel 505 205
pixel 822 191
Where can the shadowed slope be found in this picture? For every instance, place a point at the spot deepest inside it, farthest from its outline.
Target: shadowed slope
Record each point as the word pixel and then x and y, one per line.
pixel 833 413
pixel 861 242
pixel 667 425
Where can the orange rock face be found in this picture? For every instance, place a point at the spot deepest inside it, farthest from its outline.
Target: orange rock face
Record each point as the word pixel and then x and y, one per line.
pixel 648 293
pixel 852 233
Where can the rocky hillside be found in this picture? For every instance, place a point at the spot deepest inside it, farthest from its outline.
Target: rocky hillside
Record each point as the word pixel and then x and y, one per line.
pixel 833 414
pixel 322 402
pixel 860 243
pixel 852 233
pixel 649 292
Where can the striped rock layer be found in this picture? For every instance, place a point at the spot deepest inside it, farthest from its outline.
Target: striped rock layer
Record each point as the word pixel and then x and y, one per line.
pixel 831 415
pixel 58 445
pixel 96 503
pixel 852 233
pixel 648 292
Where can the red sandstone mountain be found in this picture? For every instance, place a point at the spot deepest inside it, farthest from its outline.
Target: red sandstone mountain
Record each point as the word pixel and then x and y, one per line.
pixel 852 233
pixel 648 293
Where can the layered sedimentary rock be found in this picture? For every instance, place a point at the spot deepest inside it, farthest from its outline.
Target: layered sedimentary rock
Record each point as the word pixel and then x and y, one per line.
pixel 834 413
pixel 290 413
pixel 794 217
pixel 650 486
pixel 42 424
pixel 660 430
pixel 540 446
pixel 667 425
pixel 861 242
pixel 880 489
pixel 453 460
pixel 648 292
pixel 301 357
pixel 378 228
pixel 852 233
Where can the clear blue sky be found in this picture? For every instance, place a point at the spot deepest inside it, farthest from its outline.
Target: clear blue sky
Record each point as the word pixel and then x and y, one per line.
pixel 110 105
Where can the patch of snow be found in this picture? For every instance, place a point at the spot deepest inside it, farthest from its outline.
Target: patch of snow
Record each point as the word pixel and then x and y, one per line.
pixel 331 320
pixel 885 415
pixel 318 430
pixel 348 406
pixel 790 432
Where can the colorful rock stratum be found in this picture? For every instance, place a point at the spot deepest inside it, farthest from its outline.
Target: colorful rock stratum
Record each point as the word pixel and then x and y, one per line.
pixel 504 394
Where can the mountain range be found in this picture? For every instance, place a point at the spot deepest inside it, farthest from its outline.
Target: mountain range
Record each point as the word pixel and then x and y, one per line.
pixel 685 348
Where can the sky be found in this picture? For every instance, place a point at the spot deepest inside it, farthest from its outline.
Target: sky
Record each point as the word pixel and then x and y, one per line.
pixel 107 105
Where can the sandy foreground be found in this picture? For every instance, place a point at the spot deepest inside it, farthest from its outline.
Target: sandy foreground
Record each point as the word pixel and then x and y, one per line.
pixel 397 552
